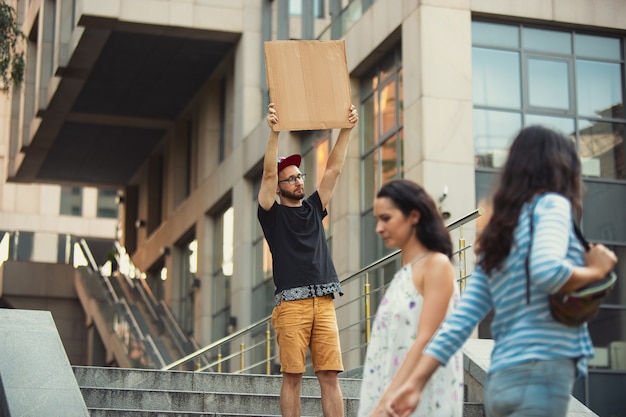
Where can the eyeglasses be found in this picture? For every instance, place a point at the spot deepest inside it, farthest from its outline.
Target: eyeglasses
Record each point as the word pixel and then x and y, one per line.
pixel 292 180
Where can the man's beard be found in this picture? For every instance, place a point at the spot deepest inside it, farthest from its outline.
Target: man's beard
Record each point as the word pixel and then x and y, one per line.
pixel 295 196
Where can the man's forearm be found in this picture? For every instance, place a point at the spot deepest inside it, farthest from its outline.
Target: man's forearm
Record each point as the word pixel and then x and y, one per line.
pixel 338 154
pixel 270 166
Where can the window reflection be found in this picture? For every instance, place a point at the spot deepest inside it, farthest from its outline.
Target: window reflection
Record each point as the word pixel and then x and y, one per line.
pixel 370 130
pixel 602 149
pixel 493 132
pixel 591 46
pixel 388 101
pixel 107 204
pixel 71 201
pixel 602 200
pixel 371 178
pixel 390 168
pixel 496 78
pixel 563 125
pixel 547 41
pixel 548 84
pixel 599 89
pixel 540 89
pixel 381 140
pixel 494 34
pixel 295 8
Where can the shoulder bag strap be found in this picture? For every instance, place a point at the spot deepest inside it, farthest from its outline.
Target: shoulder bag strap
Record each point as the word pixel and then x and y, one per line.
pixel 530 246
pixel 580 237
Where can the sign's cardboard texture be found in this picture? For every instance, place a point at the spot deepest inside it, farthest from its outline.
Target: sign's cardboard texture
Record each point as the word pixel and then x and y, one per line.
pixel 309 84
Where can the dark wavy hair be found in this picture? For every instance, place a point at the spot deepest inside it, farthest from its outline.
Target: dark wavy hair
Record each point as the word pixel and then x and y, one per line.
pixel 407 196
pixel 540 160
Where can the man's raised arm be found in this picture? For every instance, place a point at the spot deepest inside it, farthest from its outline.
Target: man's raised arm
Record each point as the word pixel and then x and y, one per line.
pixel 336 159
pixel 269 182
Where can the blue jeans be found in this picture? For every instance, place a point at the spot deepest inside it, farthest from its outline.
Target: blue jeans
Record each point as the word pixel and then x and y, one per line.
pixel 534 388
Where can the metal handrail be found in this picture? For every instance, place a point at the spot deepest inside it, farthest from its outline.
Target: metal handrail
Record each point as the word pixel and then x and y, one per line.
pixel 247 331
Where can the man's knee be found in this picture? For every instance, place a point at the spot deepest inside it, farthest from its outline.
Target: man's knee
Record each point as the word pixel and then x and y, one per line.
pixel 328 378
pixel 291 379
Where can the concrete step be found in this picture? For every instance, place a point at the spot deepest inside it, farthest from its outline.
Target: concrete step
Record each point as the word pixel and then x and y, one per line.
pixel 199 381
pixel 131 392
pixel 188 401
pixel 100 412
pixel 122 392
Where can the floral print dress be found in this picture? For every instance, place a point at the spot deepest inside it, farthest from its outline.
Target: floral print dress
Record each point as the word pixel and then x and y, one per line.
pixel 393 331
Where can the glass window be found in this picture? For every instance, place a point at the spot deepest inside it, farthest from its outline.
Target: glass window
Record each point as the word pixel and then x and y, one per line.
pixel 494 34
pixel 563 125
pixel 187 284
pixel 573 83
pixel 222 271
pixel 71 201
pixel 601 201
pixel 23 246
pixel 295 8
pixel 581 93
pixel 598 47
pixel 493 132
pixel 389 109
pixel 381 141
pixel 262 282
pixel 107 204
pixel 548 84
pixel 370 129
pixel 547 41
pixel 602 149
pixel 496 78
pixel 599 89
pixel 316 147
pixel 262 255
pixel 391 156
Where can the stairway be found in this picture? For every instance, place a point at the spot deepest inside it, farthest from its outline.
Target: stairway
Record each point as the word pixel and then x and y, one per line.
pixel 121 392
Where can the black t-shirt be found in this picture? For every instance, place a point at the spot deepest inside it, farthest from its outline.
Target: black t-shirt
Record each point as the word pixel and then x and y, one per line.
pixel 295 235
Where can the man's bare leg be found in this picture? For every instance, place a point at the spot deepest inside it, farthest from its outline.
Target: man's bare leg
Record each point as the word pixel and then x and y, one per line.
pixel 332 398
pixel 290 395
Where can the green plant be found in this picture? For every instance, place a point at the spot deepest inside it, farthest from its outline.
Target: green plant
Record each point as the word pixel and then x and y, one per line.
pixel 11 60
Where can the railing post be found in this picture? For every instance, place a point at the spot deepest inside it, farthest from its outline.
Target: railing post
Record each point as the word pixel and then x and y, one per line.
pixel 219 360
pixel 462 262
pixel 367 308
pixel 242 362
pixel 268 350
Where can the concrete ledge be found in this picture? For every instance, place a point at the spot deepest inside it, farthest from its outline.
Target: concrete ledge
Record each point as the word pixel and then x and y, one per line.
pixel 36 378
pixel 476 361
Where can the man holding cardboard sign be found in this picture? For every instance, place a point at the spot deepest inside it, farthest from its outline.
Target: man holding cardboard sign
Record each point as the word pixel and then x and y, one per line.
pixel 304 275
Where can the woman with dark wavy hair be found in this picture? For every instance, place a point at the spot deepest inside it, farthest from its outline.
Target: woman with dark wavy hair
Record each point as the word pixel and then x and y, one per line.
pixel 535 359
pixel 421 294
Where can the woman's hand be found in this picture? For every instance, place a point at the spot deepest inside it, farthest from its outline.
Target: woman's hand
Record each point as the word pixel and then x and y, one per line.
pixel 600 258
pixel 379 411
pixel 404 401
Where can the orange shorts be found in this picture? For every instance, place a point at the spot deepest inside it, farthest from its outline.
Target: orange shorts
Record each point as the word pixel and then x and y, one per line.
pixel 307 324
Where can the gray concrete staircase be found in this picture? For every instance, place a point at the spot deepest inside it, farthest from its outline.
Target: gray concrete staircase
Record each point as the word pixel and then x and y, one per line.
pixel 152 393
pixel 121 392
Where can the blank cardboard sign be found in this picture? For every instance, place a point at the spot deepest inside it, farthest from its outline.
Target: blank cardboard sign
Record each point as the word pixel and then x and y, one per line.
pixel 309 84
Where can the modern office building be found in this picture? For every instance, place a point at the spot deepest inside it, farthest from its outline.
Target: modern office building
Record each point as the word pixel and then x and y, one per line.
pixel 165 100
pixel 41 227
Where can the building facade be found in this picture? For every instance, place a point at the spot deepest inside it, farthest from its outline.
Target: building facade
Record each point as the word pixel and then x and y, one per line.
pixel 165 100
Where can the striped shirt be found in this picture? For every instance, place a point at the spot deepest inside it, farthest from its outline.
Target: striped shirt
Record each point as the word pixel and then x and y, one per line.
pixel 523 332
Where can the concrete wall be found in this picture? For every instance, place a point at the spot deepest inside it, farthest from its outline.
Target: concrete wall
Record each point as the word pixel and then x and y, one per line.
pixel 48 287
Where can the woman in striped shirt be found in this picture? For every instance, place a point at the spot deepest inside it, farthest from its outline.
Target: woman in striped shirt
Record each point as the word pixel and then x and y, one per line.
pixel 535 359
